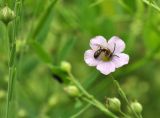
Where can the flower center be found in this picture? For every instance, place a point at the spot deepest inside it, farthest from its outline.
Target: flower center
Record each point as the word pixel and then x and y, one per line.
pixel 104 57
pixel 103 54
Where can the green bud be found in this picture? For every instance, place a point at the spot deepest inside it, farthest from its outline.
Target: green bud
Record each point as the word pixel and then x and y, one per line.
pixel 66 66
pixel 137 107
pixel 7 15
pixel 113 104
pixel 72 90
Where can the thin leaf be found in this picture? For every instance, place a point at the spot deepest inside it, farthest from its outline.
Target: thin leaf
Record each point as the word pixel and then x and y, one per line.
pixel 66 49
pixel 41 25
pixel 40 52
pixel 153 4
pixel 91 79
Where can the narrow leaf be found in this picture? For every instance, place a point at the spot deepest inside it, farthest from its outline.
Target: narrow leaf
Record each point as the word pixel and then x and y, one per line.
pixel 40 52
pixel 42 22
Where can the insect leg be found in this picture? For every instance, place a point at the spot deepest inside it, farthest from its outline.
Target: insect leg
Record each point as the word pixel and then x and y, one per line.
pixel 114 48
pixel 116 56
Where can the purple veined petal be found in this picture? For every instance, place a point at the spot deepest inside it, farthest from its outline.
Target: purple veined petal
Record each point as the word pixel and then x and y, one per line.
pixel 120 59
pixel 97 42
pixel 106 67
pixel 89 58
pixel 117 43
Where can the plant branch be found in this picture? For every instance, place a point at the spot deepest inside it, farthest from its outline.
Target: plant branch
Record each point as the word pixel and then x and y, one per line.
pixel 123 95
pixel 81 111
pixel 152 4
pixel 90 99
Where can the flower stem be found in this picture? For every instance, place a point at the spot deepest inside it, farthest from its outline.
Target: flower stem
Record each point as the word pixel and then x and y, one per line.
pixel 123 95
pixel 81 111
pixel 12 68
pixel 152 4
pixel 9 82
pixel 11 38
pixel 125 115
pixel 90 99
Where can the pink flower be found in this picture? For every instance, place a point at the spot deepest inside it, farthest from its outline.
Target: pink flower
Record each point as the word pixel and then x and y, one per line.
pixel 106 55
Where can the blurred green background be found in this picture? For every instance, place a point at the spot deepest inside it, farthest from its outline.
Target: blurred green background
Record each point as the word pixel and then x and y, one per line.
pixel 62 31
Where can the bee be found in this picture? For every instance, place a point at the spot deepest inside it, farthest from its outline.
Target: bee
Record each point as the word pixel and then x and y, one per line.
pixel 106 52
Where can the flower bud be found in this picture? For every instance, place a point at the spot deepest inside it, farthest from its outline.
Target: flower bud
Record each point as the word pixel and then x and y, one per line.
pixel 66 66
pixel 137 107
pixel 7 15
pixel 72 90
pixel 113 104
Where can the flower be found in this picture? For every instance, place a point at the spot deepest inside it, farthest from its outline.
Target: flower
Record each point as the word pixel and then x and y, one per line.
pixel 106 55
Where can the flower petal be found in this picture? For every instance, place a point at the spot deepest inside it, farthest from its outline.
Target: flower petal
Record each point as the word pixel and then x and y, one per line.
pixel 89 58
pixel 106 67
pixel 97 42
pixel 120 59
pixel 117 43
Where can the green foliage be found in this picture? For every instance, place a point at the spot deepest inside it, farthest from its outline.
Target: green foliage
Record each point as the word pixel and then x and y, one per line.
pixel 51 31
pixel 40 52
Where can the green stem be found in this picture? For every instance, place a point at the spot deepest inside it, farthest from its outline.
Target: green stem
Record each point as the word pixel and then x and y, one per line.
pixel 99 106
pixel 152 4
pixel 12 69
pixel 12 56
pixel 81 111
pixel 123 95
pixel 140 116
pixel 79 86
pixel 9 82
pixel 123 114
pixel 90 99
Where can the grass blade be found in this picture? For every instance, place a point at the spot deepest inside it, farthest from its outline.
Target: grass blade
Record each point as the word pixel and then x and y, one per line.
pixel 40 52
pixel 42 21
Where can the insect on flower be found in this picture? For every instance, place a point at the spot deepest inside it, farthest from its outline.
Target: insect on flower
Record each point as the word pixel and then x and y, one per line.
pixel 106 55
